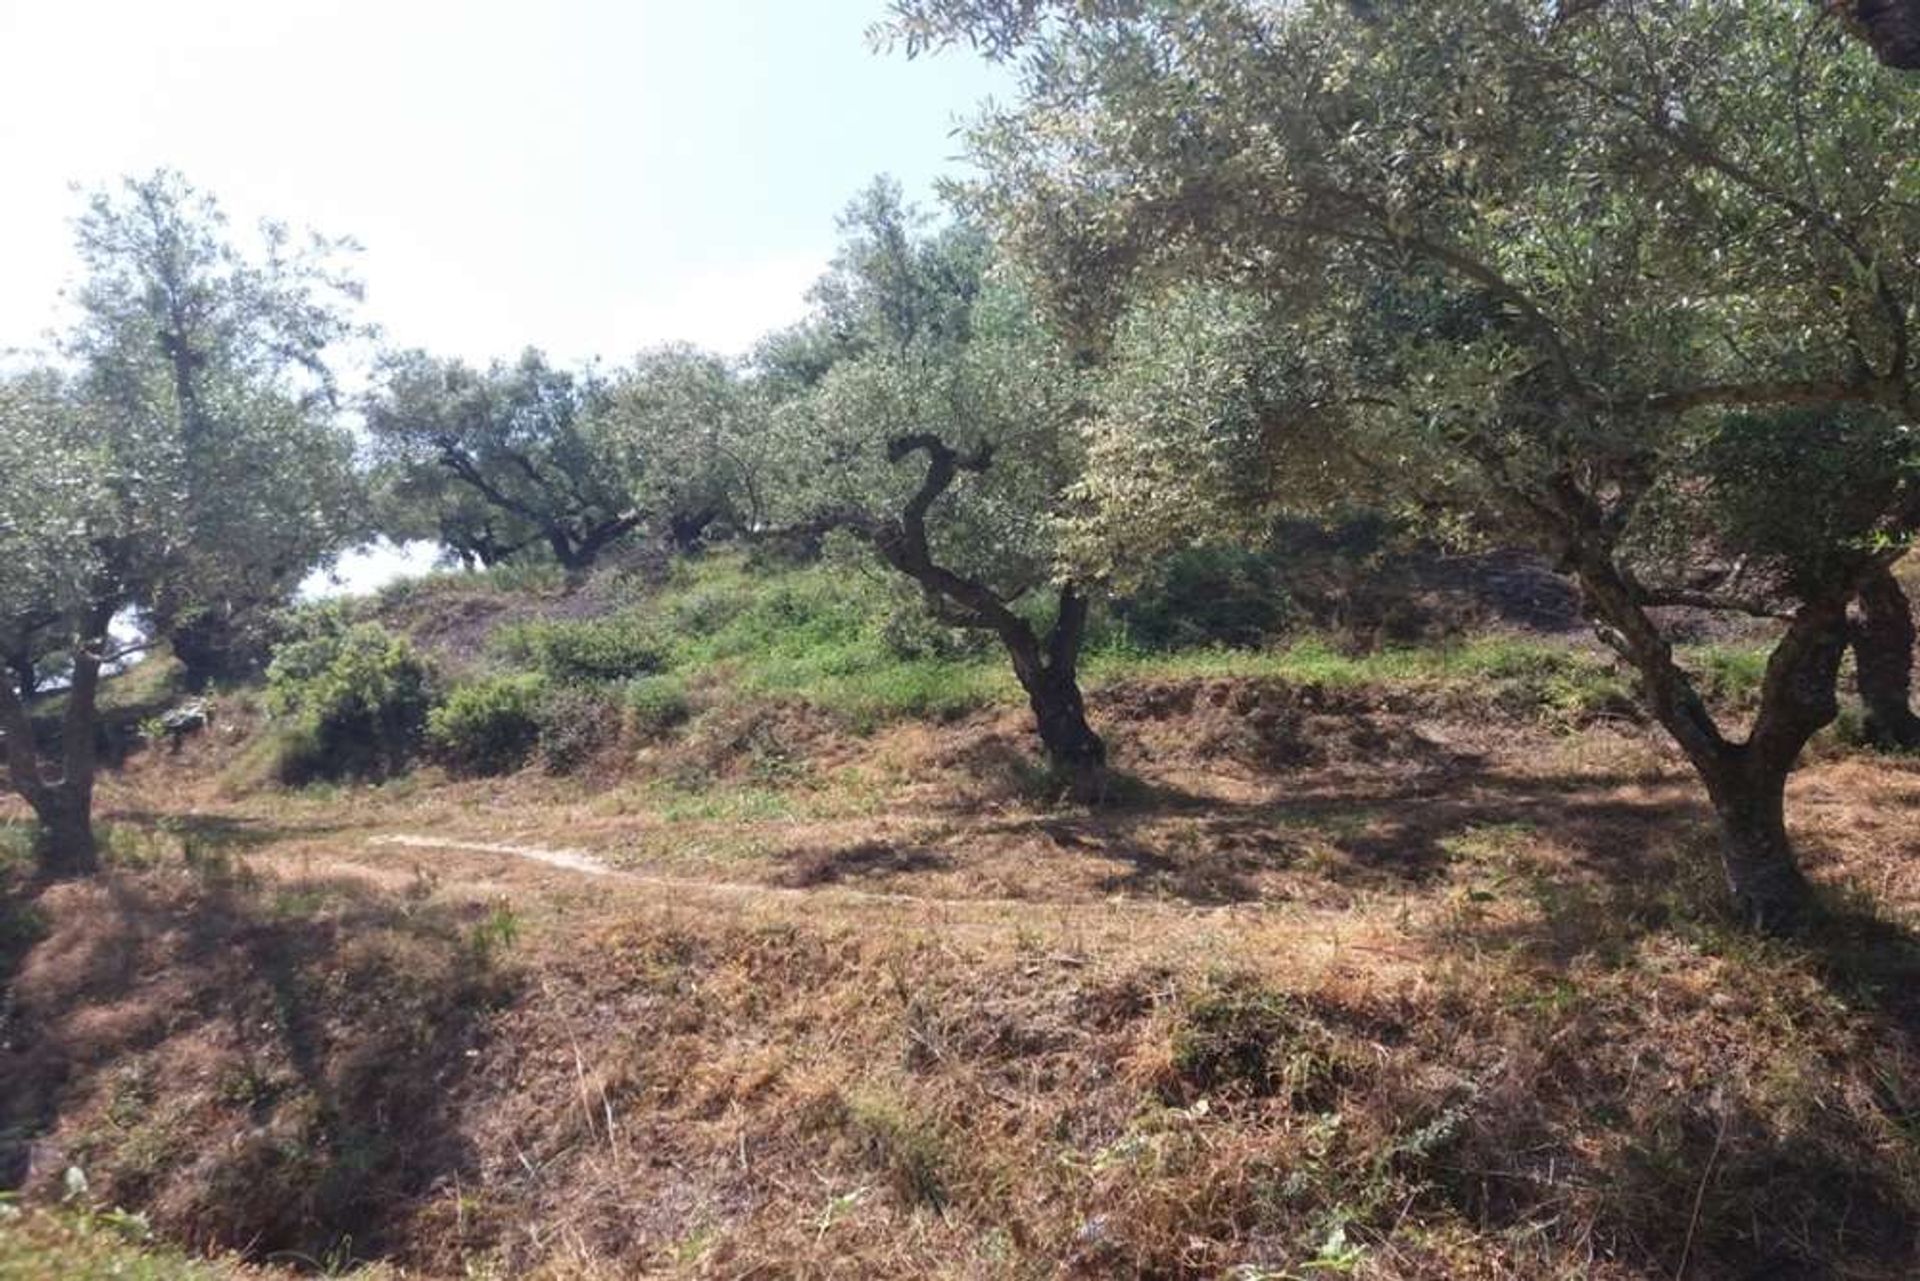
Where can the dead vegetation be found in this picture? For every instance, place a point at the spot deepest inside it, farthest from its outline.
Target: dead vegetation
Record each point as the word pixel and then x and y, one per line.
pixel 1343 983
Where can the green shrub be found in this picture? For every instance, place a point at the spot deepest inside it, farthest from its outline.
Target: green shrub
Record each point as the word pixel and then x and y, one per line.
pixel 490 726
pixel 1205 597
pixel 1239 1038
pixel 909 630
pixel 656 704
pixel 355 698
pixel 576 722
pixel 705 608
pixel 585 650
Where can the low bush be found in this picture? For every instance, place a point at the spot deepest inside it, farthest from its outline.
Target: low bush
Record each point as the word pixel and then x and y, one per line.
pixel 490 726
pixel 354 698
pixel 1207 596
pixel 614 648
pixel 656 704
pixel 576 723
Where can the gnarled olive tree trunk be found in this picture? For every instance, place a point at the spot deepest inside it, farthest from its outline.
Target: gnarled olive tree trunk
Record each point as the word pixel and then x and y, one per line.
pixel 1047 667
pixel 1883 636
pixel 60 790
pixel 1049 673
pixel 1745 780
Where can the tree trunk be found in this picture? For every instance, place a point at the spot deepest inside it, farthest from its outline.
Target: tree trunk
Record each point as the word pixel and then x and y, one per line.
pixel 1052 683
pixel 1746 781
pixel 64 803
pixel 564 551
pixel 67 845
pixel 686 529
pixel 1072 747
pixel 1883 635
pixel 25 672
pixel 1749 796
pixel 1891 27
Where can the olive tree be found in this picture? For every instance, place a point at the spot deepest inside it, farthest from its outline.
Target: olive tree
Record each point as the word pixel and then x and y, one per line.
pixel 187 458
pixel 684 430
pixel 941 435
pixel 1574 264
pixel 494 461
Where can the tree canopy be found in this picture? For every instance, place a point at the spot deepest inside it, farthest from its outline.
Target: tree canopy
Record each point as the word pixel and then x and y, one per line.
pixel 1585 264
pixel 943 435
pixel 189 458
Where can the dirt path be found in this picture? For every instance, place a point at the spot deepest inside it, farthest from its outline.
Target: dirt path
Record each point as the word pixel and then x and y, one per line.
pixel 587 865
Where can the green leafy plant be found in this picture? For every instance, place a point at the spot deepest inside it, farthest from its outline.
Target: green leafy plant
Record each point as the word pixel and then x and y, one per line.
pixel 587 650
pixel 355 698
pixel 489 726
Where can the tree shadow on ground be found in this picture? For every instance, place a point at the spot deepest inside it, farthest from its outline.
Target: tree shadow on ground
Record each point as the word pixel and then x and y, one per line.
pixel 1741 1102
pixel 1348 829
pixel 310 1035
pixel 217 835
pixel 864 860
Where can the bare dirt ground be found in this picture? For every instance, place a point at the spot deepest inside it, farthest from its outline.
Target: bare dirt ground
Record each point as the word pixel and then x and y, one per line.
pixel 1336 983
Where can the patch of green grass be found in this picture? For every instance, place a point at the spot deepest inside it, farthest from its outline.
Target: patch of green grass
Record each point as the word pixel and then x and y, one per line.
pixel 16 845
pixel 613 648
pixel 819 633
pixel 111 1244
pixel 904 1145
pixel 1726 674
pixel 852 640
pixel 678 803
pixel 1553 680
pixel 514 578
pixel 822 634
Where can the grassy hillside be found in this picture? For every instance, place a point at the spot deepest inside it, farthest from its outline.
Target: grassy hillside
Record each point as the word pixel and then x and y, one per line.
pixel 1384 961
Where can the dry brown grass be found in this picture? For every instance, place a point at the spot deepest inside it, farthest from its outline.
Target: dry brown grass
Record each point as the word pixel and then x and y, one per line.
pixel 1334 985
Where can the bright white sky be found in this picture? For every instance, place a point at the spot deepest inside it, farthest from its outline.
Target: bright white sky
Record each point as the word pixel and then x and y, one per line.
pixel 590 176
pixel 587 176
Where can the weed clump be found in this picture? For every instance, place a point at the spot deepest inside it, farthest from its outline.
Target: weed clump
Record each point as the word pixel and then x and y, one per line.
pixel 902 1145
pixel 576 723
pixel 1248 1041
pixel 655 705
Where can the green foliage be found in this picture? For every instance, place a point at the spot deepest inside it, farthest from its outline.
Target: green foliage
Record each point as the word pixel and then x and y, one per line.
pixel 489 726
pixel 656 704
pixel 684 432
pixel 81 1242
pixel 1507 251
pixel 823 633
pixel 493 462
pixel 937 339
pixel 1207 596
pixel 355 697
pixel 1239 1038
pixel 903 1145
pixel 576 722
pixel 1729 675
pixel 585 650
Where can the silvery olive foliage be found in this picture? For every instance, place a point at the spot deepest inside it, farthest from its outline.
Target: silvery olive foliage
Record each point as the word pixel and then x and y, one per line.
pixel 492 461
pixel 932 336
pixel 530 458
pixel 1591 275
pixel 185 453
pixel 685 430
